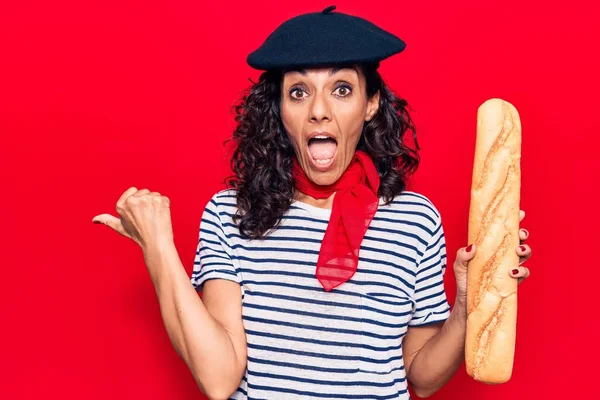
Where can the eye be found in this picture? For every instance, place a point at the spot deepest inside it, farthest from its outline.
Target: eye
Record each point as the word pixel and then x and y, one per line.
pixel 343 90
pixel 297 93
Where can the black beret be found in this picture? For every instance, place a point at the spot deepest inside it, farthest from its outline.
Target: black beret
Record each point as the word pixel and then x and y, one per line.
pixel 322 39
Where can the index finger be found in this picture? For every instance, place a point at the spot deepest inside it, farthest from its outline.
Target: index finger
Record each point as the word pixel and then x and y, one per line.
pixel 125 195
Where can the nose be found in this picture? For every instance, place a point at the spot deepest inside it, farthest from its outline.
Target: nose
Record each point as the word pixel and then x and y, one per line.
pixel 319 108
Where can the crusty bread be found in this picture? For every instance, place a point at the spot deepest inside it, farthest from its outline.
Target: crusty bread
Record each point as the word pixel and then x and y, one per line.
pixel 494 229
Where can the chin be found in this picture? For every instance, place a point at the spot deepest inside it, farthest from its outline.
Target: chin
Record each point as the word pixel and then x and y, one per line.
pixel 324 179
pixel 326 170
pixel 320 176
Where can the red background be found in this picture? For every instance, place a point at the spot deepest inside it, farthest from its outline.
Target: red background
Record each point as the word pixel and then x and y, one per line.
pixel 97 97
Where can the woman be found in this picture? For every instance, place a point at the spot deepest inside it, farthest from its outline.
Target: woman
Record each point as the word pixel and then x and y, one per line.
pixel 322 276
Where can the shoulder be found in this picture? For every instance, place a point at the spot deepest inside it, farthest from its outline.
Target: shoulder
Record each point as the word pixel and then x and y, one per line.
pixel 414 205
pixel 224 198
pixel 220 207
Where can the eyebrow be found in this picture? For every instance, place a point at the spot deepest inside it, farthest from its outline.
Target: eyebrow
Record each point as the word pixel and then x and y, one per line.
pixel 331 72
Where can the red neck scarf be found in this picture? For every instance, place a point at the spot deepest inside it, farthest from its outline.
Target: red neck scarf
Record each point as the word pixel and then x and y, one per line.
pixel 354 206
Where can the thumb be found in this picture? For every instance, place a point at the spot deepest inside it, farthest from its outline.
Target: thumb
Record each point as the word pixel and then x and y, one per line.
pixel 464 255
pixel 112 222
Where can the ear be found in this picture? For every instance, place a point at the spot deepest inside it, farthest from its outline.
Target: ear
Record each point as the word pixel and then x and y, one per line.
pixel 372 106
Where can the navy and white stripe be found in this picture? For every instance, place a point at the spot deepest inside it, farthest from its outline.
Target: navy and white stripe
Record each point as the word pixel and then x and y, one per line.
pixel 305 343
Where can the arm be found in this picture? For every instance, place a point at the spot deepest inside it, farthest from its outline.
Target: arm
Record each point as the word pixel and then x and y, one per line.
pixel 207 333
pixel 433 353
pixel 434 343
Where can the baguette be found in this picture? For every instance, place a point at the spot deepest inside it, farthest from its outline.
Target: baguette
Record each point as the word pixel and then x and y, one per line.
pixel 494 229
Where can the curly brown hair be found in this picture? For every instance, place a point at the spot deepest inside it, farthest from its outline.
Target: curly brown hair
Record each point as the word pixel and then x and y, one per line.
pixel 263 153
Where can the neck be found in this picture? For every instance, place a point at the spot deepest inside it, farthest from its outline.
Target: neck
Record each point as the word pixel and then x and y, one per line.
pixel 321 203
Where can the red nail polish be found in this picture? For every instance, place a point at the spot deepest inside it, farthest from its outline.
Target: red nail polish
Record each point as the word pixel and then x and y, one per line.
pixel 523 248
pixel 469 247
pixel 515 271
pixel 96 222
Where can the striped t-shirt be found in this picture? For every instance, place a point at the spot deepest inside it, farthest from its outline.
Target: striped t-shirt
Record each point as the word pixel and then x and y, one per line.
pixel 306 343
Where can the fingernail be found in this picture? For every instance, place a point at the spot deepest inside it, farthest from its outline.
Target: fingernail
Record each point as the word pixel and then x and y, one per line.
pixel 526 232
pixel 469 247
pixel 514 271
pixel 97 222
pixel 523 248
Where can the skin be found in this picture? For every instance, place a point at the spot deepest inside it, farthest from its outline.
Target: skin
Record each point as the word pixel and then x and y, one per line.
pixel 325 100
pixel 208 333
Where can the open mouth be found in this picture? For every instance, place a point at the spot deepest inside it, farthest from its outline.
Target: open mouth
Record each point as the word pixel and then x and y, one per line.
pixel 322 150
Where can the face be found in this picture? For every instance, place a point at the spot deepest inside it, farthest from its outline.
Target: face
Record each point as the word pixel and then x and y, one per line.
pixel 323 112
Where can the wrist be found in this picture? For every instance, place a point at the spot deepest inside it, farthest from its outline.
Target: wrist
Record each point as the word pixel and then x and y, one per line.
pixel 158 248
pixel 159 256
pixel 460 306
